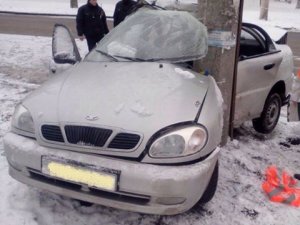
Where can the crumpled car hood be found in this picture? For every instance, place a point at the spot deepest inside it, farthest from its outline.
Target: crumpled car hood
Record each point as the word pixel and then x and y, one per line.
pixel 137 97
pixel 130 95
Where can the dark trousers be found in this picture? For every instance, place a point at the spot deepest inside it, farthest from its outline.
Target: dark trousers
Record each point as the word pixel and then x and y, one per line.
pixel 92 41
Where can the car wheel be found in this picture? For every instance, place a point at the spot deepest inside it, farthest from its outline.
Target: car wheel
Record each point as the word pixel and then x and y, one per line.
pixel 269 117
pixel 211 187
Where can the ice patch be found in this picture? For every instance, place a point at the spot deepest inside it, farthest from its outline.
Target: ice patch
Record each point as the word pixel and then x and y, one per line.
pixel 40 115
pixel 184 73
pixel 235 143
pixel 140 109
pixel 119 108
pixel 120 49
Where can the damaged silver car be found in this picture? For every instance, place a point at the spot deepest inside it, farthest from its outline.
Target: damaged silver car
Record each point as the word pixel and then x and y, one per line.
pixel 130 126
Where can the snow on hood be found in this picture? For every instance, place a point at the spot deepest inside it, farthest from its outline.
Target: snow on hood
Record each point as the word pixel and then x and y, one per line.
pixel 124 95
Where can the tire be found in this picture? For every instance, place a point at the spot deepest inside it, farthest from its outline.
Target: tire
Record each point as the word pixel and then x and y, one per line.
pixel 269 117
pixel 211 187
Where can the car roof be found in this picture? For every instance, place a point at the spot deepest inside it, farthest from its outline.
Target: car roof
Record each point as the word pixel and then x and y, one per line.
pixel 275 33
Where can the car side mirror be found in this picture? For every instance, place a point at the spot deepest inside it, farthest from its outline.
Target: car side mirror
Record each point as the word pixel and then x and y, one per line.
pixel 64 48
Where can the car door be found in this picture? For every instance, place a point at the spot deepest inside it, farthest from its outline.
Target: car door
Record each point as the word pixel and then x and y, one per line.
pixel 64 48
pixel 257 71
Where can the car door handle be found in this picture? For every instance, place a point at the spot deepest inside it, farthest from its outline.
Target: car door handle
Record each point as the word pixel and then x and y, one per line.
pixel 269 66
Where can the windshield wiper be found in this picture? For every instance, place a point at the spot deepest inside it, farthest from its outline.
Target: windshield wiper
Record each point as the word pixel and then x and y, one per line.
pixel 108 55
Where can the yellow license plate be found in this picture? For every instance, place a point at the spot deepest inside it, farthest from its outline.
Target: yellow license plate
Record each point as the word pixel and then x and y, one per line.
pixel 79 174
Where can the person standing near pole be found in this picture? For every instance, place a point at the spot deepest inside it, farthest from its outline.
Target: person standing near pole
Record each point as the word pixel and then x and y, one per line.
pixel 91 23
pixel 123 9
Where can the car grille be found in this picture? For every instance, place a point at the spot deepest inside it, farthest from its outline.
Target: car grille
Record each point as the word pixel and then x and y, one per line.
pixel 124 141
pixel 52 133
pixel 91 137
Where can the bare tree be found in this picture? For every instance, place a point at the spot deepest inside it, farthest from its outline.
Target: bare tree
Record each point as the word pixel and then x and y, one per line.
pixel 298 4
pixel 74 3
pixel 264 9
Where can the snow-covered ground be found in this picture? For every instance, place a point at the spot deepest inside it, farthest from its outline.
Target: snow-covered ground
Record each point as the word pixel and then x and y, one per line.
pixel 281 13
pixel 23 59
pixel 239 198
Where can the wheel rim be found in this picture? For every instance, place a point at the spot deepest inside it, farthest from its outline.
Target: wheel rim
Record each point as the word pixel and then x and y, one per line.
pixel 272 113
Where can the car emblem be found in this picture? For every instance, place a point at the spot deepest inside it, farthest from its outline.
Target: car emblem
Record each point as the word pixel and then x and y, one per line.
pixel 92 118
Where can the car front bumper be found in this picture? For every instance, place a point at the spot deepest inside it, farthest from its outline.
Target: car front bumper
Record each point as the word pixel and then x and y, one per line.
pixel 145 188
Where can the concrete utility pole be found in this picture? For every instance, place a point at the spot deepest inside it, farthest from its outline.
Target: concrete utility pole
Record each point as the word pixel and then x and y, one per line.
pixel 222 18
pixel 74 3
pixel 264 9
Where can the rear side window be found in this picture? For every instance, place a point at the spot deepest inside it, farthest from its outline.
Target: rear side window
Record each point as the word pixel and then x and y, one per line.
pixel 251 43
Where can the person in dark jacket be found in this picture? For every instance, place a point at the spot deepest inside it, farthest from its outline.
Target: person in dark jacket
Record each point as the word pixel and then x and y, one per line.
pixel 123 9
pixel 91 23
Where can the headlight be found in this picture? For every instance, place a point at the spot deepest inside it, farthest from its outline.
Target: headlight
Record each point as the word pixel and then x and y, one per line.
pixel 22 120
pixel 182 142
